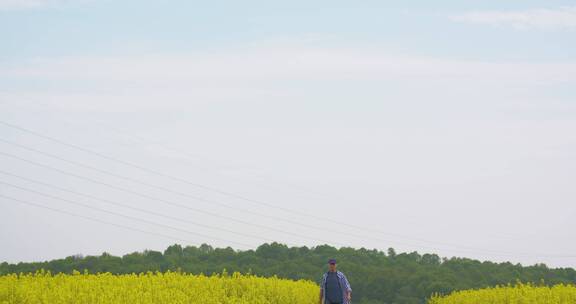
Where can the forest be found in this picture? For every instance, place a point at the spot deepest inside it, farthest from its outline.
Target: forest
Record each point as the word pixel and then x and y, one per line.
pixel 376 276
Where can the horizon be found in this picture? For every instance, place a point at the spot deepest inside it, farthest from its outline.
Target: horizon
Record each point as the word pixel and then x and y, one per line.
pixel 236 250
pixel 384 251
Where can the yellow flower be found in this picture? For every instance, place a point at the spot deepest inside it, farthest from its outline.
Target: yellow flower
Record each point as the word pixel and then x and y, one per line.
pixel 153 288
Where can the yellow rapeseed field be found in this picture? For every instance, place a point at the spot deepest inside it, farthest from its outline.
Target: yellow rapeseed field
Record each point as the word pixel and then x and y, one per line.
pixel 154 288
pixel 518 294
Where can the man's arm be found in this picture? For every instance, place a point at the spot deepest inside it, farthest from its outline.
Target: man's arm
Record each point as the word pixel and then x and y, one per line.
pixel 348 287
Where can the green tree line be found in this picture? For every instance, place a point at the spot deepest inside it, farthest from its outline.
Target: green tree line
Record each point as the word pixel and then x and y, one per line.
pixel 376 277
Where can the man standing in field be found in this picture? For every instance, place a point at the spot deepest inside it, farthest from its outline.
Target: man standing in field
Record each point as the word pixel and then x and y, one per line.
pixel 335 288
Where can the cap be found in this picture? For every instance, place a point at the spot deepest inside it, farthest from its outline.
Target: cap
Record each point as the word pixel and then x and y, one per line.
pixel 332 261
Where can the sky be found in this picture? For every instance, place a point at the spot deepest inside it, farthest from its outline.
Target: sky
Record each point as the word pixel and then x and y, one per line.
pixel 443 127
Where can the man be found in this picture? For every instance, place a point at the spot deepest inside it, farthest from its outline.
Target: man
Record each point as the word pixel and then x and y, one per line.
pixel 334 288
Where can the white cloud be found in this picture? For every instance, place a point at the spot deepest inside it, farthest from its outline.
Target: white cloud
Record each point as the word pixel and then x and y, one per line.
pixel 175 80
pixel 31 4
pixel 280 64
pixel 563 18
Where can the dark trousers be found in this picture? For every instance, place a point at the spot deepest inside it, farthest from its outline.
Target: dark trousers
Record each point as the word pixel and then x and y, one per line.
pixel 328 302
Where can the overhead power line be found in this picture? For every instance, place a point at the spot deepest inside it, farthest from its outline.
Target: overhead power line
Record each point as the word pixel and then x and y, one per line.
pixel 123 215
pixel 147 142
pixel 182 180
pixel 235 208
pixel 95 219
pixel 164 201
pixel 186 195
pixel 114 203
pixel 229 194
pixel 178 179
pixel 461 249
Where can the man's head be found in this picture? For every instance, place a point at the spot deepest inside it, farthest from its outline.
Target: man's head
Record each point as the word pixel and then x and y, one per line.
pixel 332 264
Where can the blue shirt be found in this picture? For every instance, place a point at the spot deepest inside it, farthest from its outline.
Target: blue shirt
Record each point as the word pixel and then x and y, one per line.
pixel 333 289
pixel 344 285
